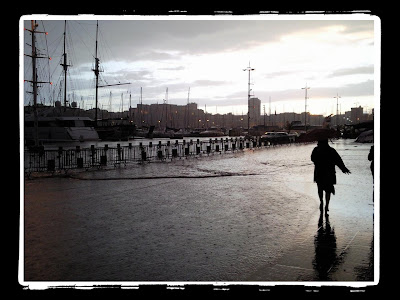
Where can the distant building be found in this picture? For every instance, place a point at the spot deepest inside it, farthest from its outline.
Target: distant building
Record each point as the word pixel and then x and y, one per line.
pixel 356 115
pixel 254 111
pixel 190 116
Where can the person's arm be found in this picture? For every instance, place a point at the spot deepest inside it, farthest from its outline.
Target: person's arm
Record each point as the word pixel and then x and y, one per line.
pixel 371 154
pixel 339 162
pixel 314 155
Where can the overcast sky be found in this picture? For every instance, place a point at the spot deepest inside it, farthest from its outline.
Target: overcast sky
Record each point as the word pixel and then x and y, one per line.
pixel 208 55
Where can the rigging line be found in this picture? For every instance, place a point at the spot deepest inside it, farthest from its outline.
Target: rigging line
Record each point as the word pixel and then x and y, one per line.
pixel 81 39
pixel 106 46
pixel 77 83
pixel 55 45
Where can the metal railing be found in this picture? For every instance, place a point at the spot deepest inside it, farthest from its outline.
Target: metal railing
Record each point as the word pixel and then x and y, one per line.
pixel 39 160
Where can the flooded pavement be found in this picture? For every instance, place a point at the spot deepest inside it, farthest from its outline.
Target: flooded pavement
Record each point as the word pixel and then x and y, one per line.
pixel 251 216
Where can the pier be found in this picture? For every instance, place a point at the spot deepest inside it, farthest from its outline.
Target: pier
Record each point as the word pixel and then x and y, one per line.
pixel 248 216
pixel 38 159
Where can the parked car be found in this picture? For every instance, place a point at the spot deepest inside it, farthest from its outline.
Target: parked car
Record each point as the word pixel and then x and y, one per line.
pixel 278 137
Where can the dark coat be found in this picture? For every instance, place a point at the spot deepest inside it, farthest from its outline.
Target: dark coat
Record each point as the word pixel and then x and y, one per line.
pixel 325 159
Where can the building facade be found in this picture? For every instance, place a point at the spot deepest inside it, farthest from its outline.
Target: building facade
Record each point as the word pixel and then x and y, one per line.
pixel 254 111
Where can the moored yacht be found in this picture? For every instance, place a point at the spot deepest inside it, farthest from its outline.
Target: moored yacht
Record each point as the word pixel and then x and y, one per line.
pixel 60 129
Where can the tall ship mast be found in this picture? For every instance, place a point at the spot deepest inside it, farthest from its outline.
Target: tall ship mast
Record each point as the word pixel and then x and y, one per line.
pixel 34 80
pixel 65 66
pixel 50 127
pixel 96 71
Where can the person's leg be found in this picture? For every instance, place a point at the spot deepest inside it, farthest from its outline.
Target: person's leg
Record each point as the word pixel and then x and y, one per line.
pixel 327 198
pixel 321 197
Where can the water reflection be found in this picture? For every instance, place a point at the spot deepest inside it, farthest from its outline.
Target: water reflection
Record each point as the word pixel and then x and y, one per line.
pixel 325 248
pixel 366 271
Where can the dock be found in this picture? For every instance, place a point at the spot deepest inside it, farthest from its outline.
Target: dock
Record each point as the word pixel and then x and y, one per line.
pixel 38 159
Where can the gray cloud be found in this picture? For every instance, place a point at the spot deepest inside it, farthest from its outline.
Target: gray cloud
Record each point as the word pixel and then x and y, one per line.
pixel 154 56
pixel 365 88
pixel 163 40
pixel 166 40
pixel 205 36
pixel 178 68
pixel 278 74
pixel 208 83
pixel 352 71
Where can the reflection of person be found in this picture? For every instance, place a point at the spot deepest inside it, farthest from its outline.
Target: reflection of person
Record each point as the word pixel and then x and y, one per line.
pixel 325 159
pixel 371 159
pixel 325 249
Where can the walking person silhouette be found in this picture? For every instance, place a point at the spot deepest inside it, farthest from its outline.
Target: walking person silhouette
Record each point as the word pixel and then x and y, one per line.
pixel 371 159
pixel 325 159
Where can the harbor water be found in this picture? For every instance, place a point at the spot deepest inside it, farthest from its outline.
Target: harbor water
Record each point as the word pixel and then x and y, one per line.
pixel 249 216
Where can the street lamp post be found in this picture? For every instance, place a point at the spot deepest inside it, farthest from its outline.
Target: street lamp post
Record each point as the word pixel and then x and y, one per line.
pixel 248 97
pixel 305 108
pixel 337 109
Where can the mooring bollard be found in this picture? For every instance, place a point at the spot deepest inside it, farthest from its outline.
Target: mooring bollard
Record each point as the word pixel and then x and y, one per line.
pixel 103 160
pixel 118 152
pixel 159 154
pixel 143 155
pixel 51 165
pixel 79 162
pixel 66 158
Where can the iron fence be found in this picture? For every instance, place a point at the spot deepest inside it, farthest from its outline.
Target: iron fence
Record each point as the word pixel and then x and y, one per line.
pixel 37 159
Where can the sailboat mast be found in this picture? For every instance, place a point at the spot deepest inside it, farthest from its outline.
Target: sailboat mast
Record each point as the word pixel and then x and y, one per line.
pixel 34 83
pixel 65 70
pixel 96 72
pixel 34 80
pixel 65 65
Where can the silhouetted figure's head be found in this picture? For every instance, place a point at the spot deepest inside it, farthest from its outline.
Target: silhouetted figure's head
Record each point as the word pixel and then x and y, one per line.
pixel 323 143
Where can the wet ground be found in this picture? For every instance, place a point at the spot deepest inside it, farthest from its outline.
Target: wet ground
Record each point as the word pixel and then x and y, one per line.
pixel 248 217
